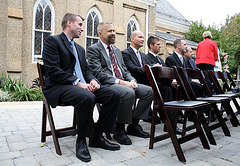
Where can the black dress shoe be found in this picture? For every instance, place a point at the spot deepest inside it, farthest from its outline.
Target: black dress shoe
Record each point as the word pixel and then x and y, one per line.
pixel 178 131
pixel 121 137
pixel 82 152
pixel 101 142
pixel 137 130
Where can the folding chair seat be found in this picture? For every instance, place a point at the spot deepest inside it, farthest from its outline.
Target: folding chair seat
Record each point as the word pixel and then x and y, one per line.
pixel 161 107
pixel 210 75
pixel 197 74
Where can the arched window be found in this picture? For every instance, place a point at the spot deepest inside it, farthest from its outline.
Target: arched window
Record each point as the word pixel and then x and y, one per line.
pixel 131 26
pixel 43 26
pixel 93 19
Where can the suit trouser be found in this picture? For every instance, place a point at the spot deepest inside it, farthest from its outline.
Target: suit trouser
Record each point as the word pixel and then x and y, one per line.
pixel 127 97
pixel 84 101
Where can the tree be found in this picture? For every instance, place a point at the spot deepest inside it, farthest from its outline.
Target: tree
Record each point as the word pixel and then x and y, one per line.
pixel 230 41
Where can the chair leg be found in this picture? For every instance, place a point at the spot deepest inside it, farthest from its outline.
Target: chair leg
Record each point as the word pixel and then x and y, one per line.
pixel 200 131
pixel 44 124
pixel 152 134
pixel 221 120
pixel 173 137
pixel 236 104
pixel 53 130
pixel 206 128
pixel 230 112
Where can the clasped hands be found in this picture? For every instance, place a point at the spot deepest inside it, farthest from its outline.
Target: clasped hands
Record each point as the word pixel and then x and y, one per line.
pixel 93 86
pixel 132 84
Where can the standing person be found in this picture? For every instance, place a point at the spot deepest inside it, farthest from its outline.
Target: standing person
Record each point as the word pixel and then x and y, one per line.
pixel 106 62
pixel 188 55
pixel 165 85
pixel 207 53
pixel 69 80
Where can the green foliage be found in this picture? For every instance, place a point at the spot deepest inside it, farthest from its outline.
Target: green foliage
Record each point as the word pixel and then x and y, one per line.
pixel 18 91
pixel 230 40
pixel 227 38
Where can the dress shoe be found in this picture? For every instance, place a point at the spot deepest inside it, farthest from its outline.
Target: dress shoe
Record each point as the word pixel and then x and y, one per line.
pixel 101 142
pixel 82 152
pixel 121 137
pixel 178 131
pixel 137 130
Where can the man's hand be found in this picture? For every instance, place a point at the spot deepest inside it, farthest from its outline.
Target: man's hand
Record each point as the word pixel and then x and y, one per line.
pixel 94 84
pixel 174 83
pixel 131 84
pixel 157 64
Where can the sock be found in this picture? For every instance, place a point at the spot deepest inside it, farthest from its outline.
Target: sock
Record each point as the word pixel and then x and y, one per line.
pixel 135 121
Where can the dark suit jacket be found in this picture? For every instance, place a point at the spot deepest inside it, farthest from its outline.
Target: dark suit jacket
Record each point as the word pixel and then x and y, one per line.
pixel 133 65
pixel 173 60
pixel 100 64
pixel 191 64
pixel 59 62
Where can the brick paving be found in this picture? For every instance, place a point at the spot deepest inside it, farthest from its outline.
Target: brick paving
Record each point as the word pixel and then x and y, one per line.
pixel 20 126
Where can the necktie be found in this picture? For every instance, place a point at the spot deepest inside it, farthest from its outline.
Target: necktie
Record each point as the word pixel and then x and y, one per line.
pixel 139 58
pixel 114 64
pixel 181 59
pixel 78 70
pixel 159 60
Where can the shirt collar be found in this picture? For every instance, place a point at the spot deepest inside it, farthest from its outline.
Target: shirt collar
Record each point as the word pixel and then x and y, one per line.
pixel 179 55
pixel 68 38
pixel 134 49
pixel 105 45
pixel 152 53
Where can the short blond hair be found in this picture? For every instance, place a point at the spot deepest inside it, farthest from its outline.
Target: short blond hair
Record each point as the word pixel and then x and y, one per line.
pixel 207 34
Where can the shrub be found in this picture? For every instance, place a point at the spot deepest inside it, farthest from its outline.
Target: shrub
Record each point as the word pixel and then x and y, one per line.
pixel 18 91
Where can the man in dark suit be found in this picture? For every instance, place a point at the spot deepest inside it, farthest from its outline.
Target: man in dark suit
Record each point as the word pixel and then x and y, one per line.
pixel 188 55
pixel 165 85
pixel 177 59
pixel 69 80
pixel 106 62
pixel 134 59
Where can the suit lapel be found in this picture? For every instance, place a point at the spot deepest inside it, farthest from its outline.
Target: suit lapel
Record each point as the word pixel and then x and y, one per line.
pixel 133 54
pixel 104 53
pixel 179 63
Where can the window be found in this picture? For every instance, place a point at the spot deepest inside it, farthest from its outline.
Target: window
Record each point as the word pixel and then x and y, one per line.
pixel 93 19
pixel 131 26
pixel 43 26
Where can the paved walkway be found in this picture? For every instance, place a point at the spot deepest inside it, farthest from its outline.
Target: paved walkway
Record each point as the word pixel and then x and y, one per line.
pixel 20 125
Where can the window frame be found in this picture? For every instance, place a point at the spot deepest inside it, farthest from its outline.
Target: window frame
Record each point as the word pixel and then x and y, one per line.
pixel 134 20
pixel 94 9
pixel 48 3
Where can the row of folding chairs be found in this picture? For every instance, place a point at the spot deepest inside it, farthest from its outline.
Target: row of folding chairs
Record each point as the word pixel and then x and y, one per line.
pixel 191 106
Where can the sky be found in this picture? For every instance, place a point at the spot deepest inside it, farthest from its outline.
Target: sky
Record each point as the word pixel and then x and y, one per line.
pixel 209 11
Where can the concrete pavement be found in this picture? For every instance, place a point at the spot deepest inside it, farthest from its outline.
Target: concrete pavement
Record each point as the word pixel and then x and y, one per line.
pixel 20 126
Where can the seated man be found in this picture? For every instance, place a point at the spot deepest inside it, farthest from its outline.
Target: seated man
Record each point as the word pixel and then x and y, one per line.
pixel 188 55
pixel 106 62
pixel 69 80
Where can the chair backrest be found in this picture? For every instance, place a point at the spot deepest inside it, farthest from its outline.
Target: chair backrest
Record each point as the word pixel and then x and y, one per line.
pixel 217 87
pixel 154 73
pixel 197 74
pixel 41 73
pixel 228 78
pixel 183 80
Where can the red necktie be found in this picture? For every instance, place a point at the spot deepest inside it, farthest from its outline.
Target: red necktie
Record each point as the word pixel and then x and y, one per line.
pixel 114 64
